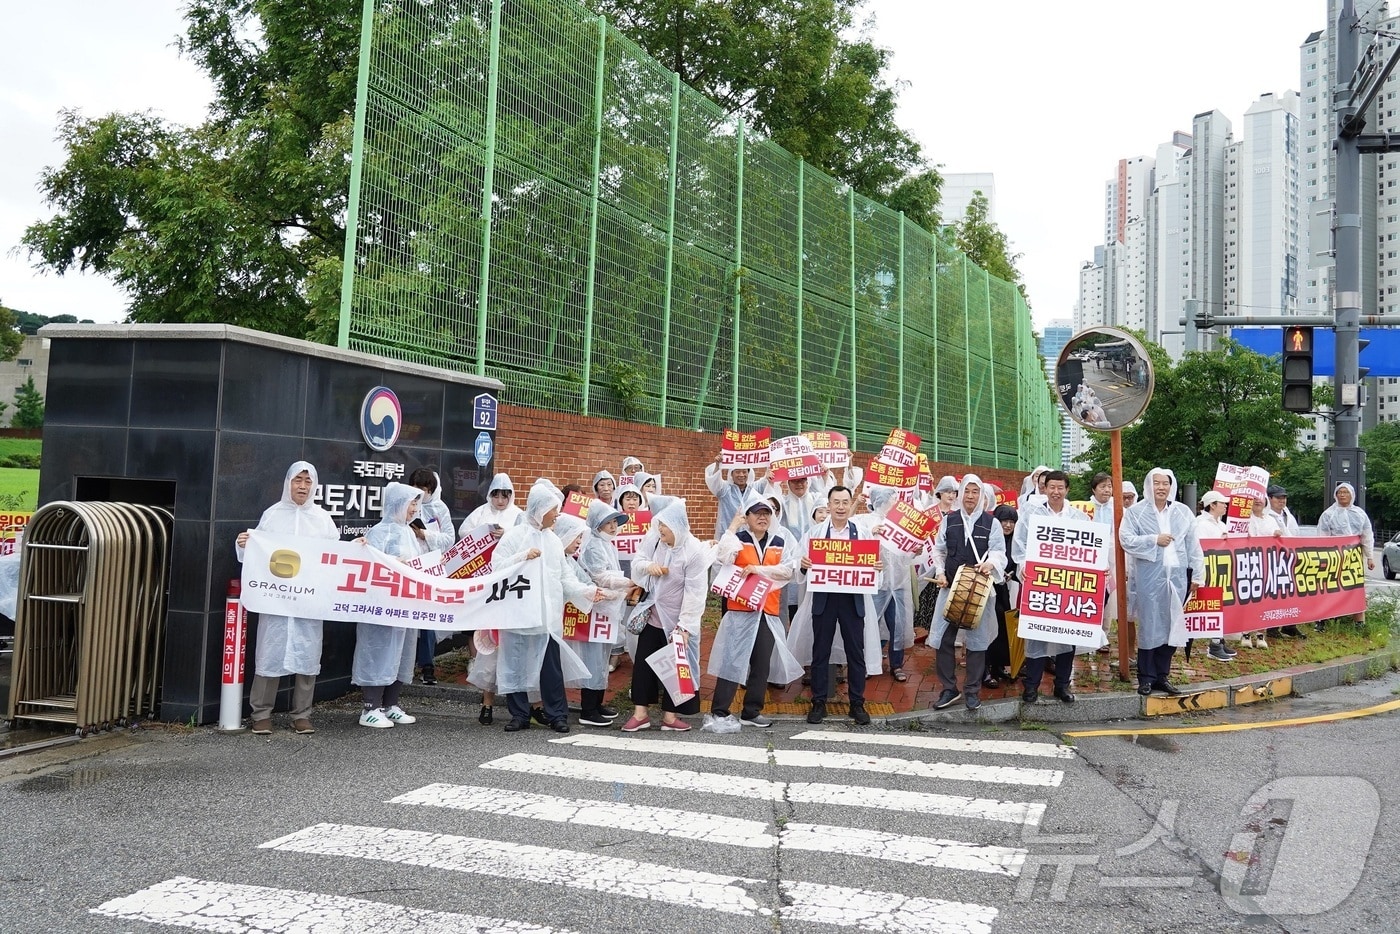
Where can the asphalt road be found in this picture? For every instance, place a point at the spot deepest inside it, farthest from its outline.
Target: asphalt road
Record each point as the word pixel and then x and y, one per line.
pixel 450 826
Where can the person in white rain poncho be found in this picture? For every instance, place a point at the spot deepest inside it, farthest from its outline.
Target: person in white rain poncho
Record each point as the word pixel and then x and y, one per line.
pixel 599 558
pixel 729 493
pixel 1032 490
pixel 537 658
pixel 1038 651
pixel 433 526
pixel 750 647
pixel 499 510
pixel 289 645
pixel 438 532
pixel 894 602
pixel 969 536
pixel 604 488
pixel 1160 534
pixel 1344 517
pixel 383 661
pixel 676 574
pixel 1210 526
pixel 821 615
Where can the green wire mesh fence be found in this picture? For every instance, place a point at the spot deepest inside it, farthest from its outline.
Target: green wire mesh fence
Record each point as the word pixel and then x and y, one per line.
pixel 535 199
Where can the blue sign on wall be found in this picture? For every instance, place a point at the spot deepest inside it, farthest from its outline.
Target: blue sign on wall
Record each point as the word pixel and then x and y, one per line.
pixel 483 449
pixel 1382 355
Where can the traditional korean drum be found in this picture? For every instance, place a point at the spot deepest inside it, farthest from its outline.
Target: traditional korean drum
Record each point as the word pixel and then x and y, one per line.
pixel 968 597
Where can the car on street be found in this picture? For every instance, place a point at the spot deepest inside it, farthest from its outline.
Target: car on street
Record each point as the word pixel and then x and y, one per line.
pixel 1390 557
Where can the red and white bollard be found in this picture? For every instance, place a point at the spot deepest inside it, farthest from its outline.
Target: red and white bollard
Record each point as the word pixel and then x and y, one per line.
pixel 235 659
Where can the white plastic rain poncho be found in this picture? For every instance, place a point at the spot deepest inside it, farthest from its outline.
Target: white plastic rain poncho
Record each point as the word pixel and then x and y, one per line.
pixel 799 636
pixel 598 478
pixel 1038 648
pixel 851 478
pixel 290 645
pixel 594 655
pixel 384 654
pixel 1160 571
pixel 1030 490
pixel 488 514
pixel 895 579
pixel 728 493
pixel 1348 520
pixel 599 558
pixel 980 638
pixel 733 645
pixel 677 597
pixel 437 520
pixel 521 652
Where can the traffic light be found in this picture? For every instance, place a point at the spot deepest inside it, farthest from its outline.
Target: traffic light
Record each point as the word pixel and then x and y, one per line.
pixel 1297 368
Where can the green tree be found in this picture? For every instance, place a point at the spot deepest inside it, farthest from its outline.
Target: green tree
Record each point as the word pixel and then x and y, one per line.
pixel 1382 446
pixel 977 235
pixel 29 406
pixel 791 69
pixel 11 340
pixel 237 220
pixel 1214 406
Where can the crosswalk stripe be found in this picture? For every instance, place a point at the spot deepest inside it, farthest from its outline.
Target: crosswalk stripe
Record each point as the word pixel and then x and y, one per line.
pixel 258 909
pixel 901 848
pixel 639 818
pixel 719 828
pixel 867 910
pixel 801 758
pixel 1006 747
pixel 913 802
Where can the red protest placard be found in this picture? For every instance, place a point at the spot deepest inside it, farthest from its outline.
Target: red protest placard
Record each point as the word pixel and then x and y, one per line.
pixel 843 565
pixel 1239 484
pixel 629 536
pixel 748 590
pixel 745 448
pixel 1268 582
pixel 587 627
pixel 896 476
pixel 576 504
pixel 901 440
pixel 793 458
pixel 831 447
pixel 907 528
pixel 1205 615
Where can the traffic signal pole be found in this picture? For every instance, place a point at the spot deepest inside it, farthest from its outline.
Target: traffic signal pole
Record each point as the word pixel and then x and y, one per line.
pixel 1352 93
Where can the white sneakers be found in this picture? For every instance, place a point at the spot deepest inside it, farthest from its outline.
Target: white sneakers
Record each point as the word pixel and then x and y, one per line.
pixel 377 718
pixel 381 718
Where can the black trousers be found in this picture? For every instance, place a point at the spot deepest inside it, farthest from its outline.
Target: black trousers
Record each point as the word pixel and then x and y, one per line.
pixel 841 611
pixel 1155 665
pixel 1034 670
pixel 947 664
pixel 647 688
pixel 756 688
pixel 552 699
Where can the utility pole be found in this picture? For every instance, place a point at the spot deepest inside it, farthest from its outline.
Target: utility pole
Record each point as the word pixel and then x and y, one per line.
pixel 1351 95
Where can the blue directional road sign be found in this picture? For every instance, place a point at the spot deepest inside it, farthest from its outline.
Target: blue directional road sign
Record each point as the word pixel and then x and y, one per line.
pixel 484 412
pixel 484 448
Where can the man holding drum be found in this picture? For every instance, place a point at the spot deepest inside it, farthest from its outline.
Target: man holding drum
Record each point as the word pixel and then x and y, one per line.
pixel 965 538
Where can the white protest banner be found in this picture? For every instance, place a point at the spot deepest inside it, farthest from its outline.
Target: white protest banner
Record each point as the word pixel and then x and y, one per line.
pixel 588 627
pixel 736 586
pixel 1205 614
pixel 907 528
pixel 630 535
pixel 673 669
pixel 1064 581
pixel 468 558
pixel 1239 484
pixel 793 458
pixel 745 448
pixel 841 565
pixel 286 575
pixel 831 447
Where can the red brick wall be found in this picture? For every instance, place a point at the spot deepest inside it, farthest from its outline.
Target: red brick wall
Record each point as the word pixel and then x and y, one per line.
pixel 569 448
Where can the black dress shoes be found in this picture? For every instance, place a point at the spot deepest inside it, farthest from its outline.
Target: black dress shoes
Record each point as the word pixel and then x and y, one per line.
pixel 517 724
pixel 1166 688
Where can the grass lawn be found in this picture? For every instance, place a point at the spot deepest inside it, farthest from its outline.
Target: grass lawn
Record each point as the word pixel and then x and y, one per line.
pixel 19 488
pixel 12 446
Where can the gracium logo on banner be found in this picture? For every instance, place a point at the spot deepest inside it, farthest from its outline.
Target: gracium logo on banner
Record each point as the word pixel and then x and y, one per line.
pixel 381 417
pixel 284 563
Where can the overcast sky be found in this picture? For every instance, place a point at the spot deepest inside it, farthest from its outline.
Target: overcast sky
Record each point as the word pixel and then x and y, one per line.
pixel 1047 96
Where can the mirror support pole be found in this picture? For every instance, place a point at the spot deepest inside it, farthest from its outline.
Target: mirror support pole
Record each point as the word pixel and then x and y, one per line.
pixel 1127 631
